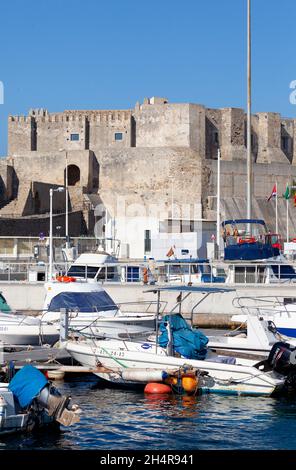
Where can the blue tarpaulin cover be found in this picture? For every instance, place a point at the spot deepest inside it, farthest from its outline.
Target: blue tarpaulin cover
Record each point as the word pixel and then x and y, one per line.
pixel 27 384
pixel 83 301
pixel 187 342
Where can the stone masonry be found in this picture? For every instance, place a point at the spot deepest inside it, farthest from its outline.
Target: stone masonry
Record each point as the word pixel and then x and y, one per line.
pixel 143 154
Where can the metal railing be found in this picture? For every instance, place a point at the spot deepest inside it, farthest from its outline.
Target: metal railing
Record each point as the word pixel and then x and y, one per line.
pixel 142 273
pixel 266 305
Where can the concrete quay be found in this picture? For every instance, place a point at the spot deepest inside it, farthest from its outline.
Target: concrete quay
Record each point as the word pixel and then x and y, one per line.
pixel 214 311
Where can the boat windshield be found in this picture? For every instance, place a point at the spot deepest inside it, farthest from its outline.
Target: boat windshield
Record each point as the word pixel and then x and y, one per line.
pixel 283 271
pixel 82 301
pixel 237 231
pixel 80 271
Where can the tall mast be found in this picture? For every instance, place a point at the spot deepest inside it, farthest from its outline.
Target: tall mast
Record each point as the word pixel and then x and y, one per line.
pixel 249 150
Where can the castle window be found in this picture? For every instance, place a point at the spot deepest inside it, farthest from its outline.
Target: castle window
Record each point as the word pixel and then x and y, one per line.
pixel 118 135
pixel 74 137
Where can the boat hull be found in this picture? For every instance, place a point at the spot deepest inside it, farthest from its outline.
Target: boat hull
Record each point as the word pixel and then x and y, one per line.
pixel 223 378
pixel 28 334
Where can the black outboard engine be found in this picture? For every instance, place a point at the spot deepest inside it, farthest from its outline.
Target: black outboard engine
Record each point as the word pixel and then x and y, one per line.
pixel 30 386
pixel 282 358
pixel 58 406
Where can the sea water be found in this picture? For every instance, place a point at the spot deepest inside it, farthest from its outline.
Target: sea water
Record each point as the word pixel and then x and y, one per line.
pixel 114 419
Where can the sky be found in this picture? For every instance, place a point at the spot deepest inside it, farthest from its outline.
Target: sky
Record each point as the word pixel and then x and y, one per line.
pixel 109 54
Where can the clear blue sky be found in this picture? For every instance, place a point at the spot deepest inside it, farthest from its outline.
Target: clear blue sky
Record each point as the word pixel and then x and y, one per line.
pixel 95 54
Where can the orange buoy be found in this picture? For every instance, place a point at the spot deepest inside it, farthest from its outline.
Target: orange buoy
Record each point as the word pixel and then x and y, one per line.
pixel 157 388
pixel 189 383
pixel 65 279
pixel 171 381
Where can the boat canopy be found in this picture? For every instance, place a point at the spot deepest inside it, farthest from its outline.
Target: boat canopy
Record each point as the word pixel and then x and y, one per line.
pixel 186 260
pixel 243 221
pixel 82 301
pixel 198 289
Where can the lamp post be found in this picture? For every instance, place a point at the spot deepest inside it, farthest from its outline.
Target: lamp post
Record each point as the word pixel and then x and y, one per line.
pixel 51 191
pixel 67 199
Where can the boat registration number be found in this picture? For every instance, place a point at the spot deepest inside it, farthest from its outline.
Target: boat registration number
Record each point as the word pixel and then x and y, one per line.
pixel 102 352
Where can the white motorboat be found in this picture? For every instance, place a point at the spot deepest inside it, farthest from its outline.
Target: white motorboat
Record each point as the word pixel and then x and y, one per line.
pixel 29 401
pixel 256 339
pixel 281 311
pixel 18 329
pixel 225 375
pixel 95 266
pixel 241 378
pixel 92 310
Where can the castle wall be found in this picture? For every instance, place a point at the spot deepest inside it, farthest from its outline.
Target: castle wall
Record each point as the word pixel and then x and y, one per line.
pixel 269 139
pixel 163 125
pixel 21 134
pixel 232 132
pixel 49 168
pixel 157 152
pixel 5 181
pixel 151 178
pixel 197 129
pixel 105 125
pixel 54 132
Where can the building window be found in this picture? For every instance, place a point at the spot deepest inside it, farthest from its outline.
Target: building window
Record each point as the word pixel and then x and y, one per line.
pixel 118 136
pixel 147 241
pixel 74 137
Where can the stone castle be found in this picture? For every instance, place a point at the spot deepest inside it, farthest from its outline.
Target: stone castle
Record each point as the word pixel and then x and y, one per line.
pixel 140 154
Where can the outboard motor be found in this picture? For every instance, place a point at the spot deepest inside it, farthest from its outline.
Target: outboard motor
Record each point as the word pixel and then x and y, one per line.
pixel 282 358
pixel 58 406
pixel 29 385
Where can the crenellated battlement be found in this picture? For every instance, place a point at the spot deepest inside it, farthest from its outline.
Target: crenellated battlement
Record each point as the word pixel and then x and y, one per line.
pixel 20 119
pixel 103 116
pixel 157 123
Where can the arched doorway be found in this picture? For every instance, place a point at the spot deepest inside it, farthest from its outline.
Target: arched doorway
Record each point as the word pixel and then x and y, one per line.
pixel 73 175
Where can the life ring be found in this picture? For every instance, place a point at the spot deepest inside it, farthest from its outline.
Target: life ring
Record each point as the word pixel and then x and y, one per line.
pixel 65 279
pixel 247 240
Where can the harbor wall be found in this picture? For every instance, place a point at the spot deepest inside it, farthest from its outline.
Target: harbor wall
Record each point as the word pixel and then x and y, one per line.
pixel 30 297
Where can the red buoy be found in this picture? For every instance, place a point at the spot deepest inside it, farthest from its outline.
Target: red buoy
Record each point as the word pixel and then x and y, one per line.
pixel 157 388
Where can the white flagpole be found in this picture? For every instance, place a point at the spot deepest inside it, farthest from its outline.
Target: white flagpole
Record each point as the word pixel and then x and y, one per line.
pixel 276 209
pixel 218 203
pixel 287 201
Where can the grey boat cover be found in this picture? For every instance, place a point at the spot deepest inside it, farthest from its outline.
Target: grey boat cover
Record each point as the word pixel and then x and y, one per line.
pixel 82 301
